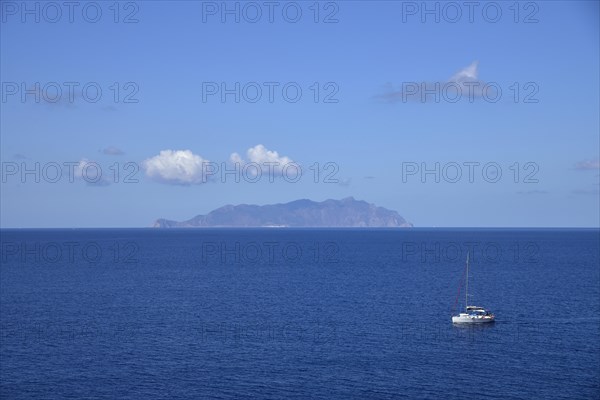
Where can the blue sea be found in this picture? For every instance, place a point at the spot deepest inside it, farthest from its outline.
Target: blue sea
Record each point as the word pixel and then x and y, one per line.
pixel 298 313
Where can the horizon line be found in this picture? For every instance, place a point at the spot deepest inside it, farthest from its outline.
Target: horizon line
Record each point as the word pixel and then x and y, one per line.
pixel 307 227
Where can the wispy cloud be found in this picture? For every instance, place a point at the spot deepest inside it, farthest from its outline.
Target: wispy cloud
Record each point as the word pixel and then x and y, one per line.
pixel 176 167
pixel 588 165
pixel 532 192
pixel 469 73
pixel 587 192
pixel 112 151
pixel 464 83
pixel 345 182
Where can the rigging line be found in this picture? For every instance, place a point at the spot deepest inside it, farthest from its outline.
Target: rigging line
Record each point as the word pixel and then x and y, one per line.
pixel 459 287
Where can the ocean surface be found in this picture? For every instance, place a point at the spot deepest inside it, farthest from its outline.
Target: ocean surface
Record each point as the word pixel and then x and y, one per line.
pixel 298 313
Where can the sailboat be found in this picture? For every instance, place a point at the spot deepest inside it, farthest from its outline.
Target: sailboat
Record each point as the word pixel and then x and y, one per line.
pixel 472 314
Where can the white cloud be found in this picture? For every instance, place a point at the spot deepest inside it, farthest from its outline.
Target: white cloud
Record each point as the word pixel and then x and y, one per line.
pixel 268 160
pixel 181 167
pixel 81 167
pixel 470 75
pixel 588 165
pixel 467 74
pixel 463 84
pixel 236 158
pixel 91 172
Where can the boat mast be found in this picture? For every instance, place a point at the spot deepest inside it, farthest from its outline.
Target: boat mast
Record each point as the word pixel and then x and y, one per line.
pixel 467 286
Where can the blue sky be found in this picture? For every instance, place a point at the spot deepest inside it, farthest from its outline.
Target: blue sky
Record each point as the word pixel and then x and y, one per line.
pixel 369 136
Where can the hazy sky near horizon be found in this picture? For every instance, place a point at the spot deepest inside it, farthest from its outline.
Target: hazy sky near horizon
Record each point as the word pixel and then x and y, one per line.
pixel 482 117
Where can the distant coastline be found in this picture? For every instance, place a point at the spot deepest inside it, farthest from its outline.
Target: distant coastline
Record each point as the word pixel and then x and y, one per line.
pixel 345 213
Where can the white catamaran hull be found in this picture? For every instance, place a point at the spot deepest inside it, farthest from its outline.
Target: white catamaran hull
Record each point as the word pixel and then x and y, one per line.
pixel 471 319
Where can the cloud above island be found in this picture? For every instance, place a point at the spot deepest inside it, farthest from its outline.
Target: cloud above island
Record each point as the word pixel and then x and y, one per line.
pixel 183 167
pixel 176 167
pixel 267 160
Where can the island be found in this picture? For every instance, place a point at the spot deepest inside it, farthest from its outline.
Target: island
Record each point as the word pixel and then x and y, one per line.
pixel 345 213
